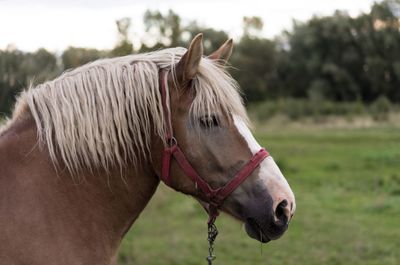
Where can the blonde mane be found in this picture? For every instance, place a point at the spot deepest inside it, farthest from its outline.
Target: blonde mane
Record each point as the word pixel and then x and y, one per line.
pixel 98 115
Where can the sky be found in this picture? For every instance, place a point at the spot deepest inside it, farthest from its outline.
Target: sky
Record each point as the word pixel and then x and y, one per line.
pixel 57 24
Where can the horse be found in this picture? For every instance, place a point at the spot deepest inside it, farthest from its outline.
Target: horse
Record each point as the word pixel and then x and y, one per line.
pixel 82 155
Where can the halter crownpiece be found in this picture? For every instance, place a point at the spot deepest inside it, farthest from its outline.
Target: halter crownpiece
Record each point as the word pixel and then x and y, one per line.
pixel 214 197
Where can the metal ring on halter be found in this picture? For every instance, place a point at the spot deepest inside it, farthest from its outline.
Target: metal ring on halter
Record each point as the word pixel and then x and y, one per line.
pixel 172 141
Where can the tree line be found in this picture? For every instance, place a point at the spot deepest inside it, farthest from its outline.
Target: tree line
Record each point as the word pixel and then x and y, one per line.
pixel 337 58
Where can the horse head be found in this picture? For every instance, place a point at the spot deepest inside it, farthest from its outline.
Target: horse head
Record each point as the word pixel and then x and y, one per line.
pixel 214 139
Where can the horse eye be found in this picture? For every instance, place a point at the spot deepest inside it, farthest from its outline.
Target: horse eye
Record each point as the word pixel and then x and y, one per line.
pixel 209 121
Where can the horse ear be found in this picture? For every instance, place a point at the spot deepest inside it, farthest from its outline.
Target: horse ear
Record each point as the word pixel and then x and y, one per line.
pixel 223 53
pixel 187 67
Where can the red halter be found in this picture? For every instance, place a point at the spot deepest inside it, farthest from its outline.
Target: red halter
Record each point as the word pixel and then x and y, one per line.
pixel 215 197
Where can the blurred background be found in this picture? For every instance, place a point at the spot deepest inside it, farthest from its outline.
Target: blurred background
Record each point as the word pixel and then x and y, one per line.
pixel 320 79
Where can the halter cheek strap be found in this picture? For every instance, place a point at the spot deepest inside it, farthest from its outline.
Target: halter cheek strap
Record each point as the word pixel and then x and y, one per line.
pixel 215 197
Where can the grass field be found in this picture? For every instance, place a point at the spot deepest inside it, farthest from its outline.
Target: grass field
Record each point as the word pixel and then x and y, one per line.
pixel 347 187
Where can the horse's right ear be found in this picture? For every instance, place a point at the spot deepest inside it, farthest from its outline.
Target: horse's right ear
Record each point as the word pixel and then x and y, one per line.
pixel 187 67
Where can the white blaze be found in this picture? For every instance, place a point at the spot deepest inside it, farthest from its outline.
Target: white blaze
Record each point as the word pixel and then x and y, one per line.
pixel 269 173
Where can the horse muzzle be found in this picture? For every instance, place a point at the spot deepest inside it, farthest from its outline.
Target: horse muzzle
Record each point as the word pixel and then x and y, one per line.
pixel 270 226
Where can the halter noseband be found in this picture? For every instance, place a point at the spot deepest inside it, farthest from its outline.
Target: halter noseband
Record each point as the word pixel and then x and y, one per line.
pixel 215 197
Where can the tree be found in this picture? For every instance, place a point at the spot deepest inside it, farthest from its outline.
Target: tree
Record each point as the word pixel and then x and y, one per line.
pixel 19 70
pixel 124 45
pixel 343 58
pixel 212 39
pixel 74 57
pixel 252 26
pixel 161 30
pixel 254 62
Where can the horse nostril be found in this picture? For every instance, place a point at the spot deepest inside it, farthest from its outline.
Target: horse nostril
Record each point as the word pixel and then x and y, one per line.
pixel 282 213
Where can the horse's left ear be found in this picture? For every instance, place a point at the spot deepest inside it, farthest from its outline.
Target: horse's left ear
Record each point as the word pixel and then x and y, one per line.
pixel 188 66
pixel 223 53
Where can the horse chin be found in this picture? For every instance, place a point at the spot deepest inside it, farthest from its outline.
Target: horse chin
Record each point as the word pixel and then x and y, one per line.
pixel 253 231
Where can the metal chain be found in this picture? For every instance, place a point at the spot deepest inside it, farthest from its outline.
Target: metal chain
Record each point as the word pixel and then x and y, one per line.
pixel 212 234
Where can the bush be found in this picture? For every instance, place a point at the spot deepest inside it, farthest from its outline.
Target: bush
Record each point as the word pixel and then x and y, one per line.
pixel 380 108
pixel 296 109
pixel 263 110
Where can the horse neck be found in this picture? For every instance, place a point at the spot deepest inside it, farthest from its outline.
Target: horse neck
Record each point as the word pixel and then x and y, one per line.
pixel 98 206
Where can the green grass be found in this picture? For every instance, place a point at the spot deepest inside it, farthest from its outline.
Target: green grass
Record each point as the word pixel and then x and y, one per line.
pixel 347 187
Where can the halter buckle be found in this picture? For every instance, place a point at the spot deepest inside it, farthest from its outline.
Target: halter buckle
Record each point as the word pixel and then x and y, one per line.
pixel 172 141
